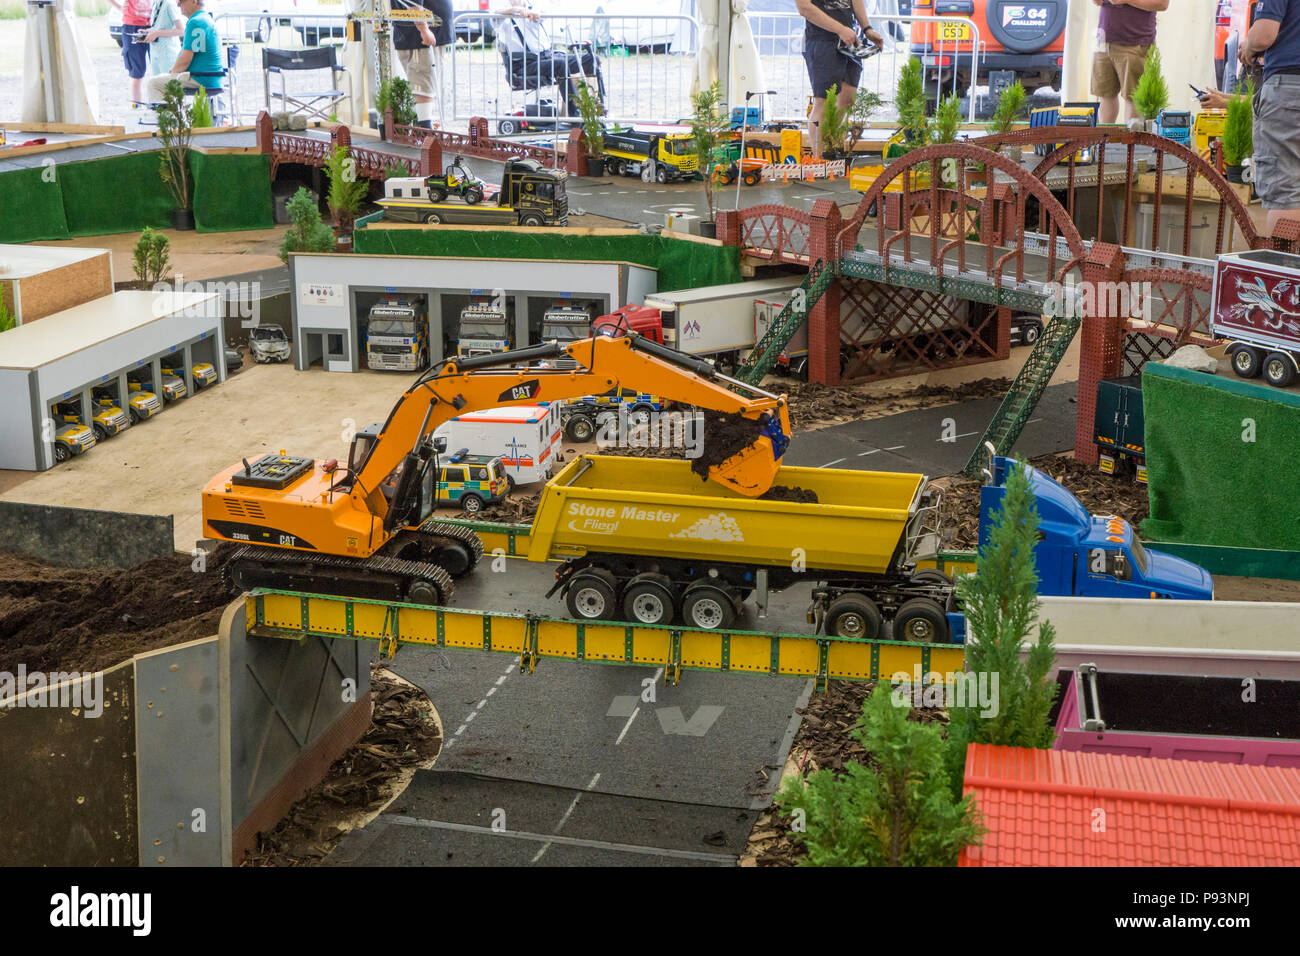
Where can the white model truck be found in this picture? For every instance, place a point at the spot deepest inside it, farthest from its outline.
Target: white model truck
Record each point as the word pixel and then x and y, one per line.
pixel 718 322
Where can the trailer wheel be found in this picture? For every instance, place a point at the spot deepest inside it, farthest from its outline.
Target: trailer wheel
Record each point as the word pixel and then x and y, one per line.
pixel 1247 362
pixel 1030 335
pixel 472 504
pixel 590 596
pixel 1279 369
pixel 708 607
pixel 60 453
pixel 649 600
pixel 424 592
pixel 853 615
pixel 507 127
pixel 922 621
pixel 433 218
pixel 580 428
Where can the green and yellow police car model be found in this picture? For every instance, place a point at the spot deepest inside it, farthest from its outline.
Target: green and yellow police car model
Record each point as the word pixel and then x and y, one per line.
pixel 471 481
pixel 71 438
pixel 141 403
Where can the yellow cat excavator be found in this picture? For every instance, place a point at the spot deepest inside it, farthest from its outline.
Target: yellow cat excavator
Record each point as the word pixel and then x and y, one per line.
pixel 363 528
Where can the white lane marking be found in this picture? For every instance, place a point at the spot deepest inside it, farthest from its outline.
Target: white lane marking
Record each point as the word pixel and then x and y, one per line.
pixel 863 454
pixel 565 819
pixel 628 726
pixel 962 435
pixel 565 841
pixel 478 708
pixel 829 463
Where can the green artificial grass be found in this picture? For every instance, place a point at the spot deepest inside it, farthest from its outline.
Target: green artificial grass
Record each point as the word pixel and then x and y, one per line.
pixel 32 200
pixel 1209 483
pixel 682 264
pixel 232 192
pixel 118 194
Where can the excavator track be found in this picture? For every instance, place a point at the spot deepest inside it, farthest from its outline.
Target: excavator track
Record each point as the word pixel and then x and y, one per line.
pixel 375 577
pixel 432 530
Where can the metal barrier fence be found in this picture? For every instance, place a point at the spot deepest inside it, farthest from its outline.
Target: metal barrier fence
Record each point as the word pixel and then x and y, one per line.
pixel 779 38
pixel 646 66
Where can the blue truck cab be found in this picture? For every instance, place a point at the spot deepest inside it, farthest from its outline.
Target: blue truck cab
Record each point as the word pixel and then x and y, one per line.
pixel 1175 125
pixel 1083 555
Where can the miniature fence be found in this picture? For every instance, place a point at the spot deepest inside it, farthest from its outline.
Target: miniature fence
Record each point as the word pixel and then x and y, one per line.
pixel 779 39
pixel 784 172
pixel 647 64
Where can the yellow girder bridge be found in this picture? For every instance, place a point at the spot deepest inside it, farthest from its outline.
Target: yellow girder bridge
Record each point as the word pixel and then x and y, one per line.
pixel 293 615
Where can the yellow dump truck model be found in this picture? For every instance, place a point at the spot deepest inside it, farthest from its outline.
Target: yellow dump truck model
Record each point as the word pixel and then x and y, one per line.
pixel 645 540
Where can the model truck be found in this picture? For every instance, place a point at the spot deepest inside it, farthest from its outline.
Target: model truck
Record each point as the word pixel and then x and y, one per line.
pixel 530 195
pixel 1257 309
pixel 397 335
pixel 716 322
pixel 564 323
pixel 1119 427
pixel 68 414
pixel 659 157
pixel 1175 125
pixel 1069 115
pixel 641 539
pixel 141 403
pixel 1084 555
pixel 484 330
pixel 70 438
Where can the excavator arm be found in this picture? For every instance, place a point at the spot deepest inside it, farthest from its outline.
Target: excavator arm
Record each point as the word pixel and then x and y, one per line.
pixel 605 363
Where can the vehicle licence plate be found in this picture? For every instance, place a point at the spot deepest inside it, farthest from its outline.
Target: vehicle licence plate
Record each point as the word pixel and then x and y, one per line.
pixel 954 32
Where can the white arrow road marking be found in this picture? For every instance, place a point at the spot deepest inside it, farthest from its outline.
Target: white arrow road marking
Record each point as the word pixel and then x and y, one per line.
pixel 672 722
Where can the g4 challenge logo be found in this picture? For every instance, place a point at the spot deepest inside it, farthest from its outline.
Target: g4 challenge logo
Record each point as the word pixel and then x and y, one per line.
pixel 1024 16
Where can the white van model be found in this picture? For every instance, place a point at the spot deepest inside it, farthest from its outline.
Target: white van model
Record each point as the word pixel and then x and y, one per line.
pixel 525 437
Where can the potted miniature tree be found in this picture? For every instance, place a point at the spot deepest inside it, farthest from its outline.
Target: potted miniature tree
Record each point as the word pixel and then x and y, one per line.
pixel 346 191
pixel 593 129
pixel 308 233
pixel 909 100
pixel 396 97
pixel 1010 102
pixel 1238 133
pixel 176 131
pixel 834 127
pixel 1151 94
pixel 865 103
pixel 709 121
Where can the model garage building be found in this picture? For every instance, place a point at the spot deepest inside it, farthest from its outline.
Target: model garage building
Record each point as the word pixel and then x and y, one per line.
pixel 333 294
pixel 64 356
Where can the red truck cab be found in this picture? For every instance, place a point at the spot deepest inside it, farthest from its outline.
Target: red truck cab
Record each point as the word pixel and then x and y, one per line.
pixel 631 318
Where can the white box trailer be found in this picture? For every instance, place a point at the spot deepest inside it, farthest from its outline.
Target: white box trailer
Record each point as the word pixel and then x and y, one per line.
pixel 717 322
pixel 794 357
pixel 525 437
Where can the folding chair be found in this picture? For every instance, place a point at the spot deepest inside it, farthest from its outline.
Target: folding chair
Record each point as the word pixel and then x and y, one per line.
pixel 531 72
pixel 317 103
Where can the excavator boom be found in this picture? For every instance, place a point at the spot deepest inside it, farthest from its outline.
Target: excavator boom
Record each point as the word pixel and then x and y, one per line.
pixel 348 528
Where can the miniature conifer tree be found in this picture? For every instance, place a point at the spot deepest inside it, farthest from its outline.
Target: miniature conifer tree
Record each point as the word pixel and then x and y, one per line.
pixel 1151 94
pixel 909 100
pixel 1238 129
pixel 308 233
pixel 900 813
pixel 1001 605
pixel 1010 101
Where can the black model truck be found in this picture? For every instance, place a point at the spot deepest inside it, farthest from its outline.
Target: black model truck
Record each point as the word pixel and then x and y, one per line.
pixel 1119 427
pixel 530 195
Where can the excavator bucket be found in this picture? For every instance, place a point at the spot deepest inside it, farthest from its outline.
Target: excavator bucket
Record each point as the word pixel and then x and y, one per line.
pixel 752 470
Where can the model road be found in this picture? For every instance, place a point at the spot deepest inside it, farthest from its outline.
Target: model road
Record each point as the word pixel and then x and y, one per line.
pixel 589 764
pixel 934 441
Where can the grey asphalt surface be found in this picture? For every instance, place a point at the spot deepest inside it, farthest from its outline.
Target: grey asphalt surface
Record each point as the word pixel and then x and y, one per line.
pixel 917 440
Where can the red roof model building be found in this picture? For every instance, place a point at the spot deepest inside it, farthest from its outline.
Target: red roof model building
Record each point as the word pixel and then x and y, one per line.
pixel 1061 808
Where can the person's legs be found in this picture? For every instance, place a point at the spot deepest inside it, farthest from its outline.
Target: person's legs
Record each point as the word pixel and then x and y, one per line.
pixel 1129 62
pixel 135 57
pixel 1105 86
pixel 827 67
pixel 1277 148
pixel 418 66
pixel 156 86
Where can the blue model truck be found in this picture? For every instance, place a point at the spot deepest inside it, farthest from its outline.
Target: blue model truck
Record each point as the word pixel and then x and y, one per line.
pixel 1084 555
pixel 1175 125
